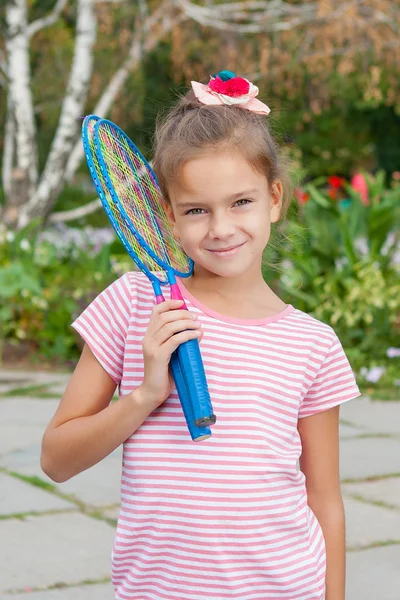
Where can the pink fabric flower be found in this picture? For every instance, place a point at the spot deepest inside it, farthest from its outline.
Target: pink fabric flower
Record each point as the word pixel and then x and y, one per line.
pixel 235 87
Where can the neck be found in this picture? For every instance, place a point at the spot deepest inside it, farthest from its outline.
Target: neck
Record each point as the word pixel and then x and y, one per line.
pixel 227 287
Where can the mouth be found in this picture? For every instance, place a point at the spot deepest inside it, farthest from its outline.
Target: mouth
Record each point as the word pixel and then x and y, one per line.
pixel 229 251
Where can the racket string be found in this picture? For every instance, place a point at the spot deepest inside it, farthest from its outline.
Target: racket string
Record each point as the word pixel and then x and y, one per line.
pixel 140 196
pixel 125 229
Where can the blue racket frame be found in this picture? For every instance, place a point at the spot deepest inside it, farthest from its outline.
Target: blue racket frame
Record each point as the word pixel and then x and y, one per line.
pixel 187 371
pixel 188 353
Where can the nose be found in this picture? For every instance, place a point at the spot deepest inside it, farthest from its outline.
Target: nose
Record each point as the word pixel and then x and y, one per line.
pixel 221 226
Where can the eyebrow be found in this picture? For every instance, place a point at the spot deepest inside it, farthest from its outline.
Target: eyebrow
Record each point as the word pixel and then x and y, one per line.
pixel 233 197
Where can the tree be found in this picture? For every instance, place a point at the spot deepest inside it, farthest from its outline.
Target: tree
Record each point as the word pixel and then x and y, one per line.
pixel 271 33
pixel 28 193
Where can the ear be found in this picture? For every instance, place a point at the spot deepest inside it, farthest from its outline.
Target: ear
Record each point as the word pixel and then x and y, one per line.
pixel 171 218
pixel 276 200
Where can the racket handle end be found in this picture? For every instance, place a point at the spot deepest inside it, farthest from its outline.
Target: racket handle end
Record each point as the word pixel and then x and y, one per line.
pixel 202 437
pixel 206 421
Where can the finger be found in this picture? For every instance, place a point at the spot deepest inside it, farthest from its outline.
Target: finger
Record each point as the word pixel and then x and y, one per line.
pixel 167 305
pixel 176 340
pixel 159 310
pixel 175 327
pixel 175 315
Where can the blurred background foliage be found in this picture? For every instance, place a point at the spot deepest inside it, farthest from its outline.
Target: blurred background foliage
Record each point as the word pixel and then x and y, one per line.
pixel 333 87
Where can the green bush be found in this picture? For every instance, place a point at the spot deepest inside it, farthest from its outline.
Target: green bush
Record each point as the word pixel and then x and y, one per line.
pixel 339 259
pixel 336 257
pixel 47 279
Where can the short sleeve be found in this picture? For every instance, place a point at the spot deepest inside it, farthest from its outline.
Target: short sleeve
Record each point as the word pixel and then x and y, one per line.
pixel 104 326
pixel 333 383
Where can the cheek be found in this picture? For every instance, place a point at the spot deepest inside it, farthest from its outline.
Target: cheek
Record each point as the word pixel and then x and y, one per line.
pixel 189 233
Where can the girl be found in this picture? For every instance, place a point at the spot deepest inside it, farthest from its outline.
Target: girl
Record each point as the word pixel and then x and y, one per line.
pixel 231 517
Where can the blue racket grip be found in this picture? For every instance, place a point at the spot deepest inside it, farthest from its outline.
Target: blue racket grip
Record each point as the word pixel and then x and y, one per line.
pixel 192 369
pixel 197 434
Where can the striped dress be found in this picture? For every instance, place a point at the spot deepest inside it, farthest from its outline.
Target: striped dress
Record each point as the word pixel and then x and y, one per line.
pixel 226 517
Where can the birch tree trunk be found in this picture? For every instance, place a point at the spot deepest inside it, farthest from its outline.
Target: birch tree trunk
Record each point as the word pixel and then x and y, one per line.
pixel 52 179
pixel 8 153
pixel 20 119
pixel 29 196
pixel 145 38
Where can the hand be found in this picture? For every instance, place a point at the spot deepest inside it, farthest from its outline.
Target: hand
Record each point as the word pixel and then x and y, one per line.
pixel 168 328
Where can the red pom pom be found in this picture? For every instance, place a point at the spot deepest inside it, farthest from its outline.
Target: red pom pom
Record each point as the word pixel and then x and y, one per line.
pixel 235 87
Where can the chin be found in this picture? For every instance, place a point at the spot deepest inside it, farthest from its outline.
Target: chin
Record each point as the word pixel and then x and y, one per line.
pixel 227 270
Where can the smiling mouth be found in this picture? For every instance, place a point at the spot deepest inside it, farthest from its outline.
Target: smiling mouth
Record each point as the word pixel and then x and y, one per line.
pixel 222 250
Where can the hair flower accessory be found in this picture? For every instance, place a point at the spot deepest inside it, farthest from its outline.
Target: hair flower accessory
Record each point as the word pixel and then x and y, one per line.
pixel 226 88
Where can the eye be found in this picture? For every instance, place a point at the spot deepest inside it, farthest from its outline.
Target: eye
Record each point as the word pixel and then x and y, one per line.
pixel 243 202
pixel 195 211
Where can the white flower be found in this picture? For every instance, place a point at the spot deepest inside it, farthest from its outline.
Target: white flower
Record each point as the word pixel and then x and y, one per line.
pixel 25 245
pixel 393 352
pixel 10 237
pixel 341 262
pixel 372 375
pixel 361 244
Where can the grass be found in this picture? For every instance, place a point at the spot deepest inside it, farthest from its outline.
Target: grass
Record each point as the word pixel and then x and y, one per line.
pixel 34 480
pixel 388 393
pixel 371 478
pixel 29 390
pixel 382 544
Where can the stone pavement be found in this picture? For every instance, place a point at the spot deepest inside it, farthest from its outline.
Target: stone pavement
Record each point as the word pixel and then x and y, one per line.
pixel 55 540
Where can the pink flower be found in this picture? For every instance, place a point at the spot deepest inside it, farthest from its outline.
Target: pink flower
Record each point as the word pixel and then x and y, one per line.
pixel 359 184
pixel 235 87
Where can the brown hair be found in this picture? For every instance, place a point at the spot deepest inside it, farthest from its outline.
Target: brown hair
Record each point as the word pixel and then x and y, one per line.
pixel 191 127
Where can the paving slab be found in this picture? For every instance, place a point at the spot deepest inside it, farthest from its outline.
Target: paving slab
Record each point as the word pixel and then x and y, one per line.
pixel 97 486
pixel 18 497
pixel 381 490
pixel 367 524
pixel 374 574
pixel 111 513
pixel 15 437
pixel 35 377
pixel 43 551
pixel 10 380
pixel 372 415
pixel 346 431
pixel 23 421
pixel 57 389
pixel 368 457
pixel 25 412
pixel 102 591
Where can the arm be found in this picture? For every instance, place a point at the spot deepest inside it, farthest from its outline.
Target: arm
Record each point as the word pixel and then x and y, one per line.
pixel 86 427
pixel 320 464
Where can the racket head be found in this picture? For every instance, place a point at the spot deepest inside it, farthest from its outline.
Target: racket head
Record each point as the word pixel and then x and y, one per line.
pixel 129 241
pixel 133 186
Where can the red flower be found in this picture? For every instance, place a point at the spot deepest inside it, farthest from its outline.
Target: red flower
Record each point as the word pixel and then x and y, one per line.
pixel 335 182
pixel 301 196
pixel 235 87
pixel 332 193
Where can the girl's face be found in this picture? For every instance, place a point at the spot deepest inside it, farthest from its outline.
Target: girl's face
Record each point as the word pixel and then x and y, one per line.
pixel 222 210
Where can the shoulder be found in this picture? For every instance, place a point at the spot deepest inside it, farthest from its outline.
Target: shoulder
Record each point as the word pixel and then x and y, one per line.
pixel 308 327
pixel 136 283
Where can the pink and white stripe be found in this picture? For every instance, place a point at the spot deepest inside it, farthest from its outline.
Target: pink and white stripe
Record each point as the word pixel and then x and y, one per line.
pixel 228 517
